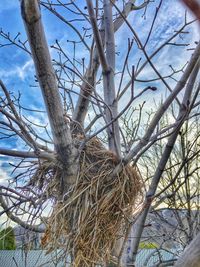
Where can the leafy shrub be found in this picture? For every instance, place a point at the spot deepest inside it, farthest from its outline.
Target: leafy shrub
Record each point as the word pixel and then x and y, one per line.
pixel 7 239
pixel 149 245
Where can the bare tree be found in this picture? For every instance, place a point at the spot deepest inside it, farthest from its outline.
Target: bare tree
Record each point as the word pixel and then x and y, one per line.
pixel 173 218
pixel 82 167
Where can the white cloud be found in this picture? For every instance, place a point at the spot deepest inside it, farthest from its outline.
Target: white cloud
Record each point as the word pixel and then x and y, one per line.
pixel 21 71
pixel 4 177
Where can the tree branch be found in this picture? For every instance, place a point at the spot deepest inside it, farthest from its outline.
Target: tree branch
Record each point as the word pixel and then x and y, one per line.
pixel 180 85
pixel 109 81
pixel 83 100
pixel 35 228
pixel 97 36
pixel 26 154
pixel 183 112
pixel 47 80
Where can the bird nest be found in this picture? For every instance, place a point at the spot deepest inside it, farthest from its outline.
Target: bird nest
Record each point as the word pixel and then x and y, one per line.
pixel 87 222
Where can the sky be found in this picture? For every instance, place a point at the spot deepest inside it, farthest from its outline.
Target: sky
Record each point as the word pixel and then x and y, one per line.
pixel 17 69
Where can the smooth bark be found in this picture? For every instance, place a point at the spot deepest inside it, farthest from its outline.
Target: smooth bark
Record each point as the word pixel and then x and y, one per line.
pixel 82 105
pixel 191 255
pixel 46 76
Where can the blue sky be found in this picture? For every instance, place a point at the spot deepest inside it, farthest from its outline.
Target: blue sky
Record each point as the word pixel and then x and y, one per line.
pixel 16 67
pixel 17 70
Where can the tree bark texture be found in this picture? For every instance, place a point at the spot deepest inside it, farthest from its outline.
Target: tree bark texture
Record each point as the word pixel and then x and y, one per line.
pixel 64 147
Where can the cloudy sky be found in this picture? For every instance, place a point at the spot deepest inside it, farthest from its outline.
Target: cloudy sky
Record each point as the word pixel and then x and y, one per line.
pixel 17 70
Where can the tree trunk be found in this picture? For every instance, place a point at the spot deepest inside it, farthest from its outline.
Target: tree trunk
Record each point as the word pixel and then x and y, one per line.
pixel 64 147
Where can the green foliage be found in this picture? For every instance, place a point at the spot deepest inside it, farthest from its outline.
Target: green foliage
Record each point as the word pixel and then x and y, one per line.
pixel 7 239
pixel 111 265
pixel 150 245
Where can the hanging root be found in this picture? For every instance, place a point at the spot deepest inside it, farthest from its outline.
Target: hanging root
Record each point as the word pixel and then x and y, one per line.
pixel 87 222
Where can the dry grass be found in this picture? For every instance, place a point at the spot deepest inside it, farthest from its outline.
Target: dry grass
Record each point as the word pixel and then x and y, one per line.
pixel 86 224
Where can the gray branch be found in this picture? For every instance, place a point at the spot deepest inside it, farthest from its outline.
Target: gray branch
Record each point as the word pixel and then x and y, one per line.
pixel 35 228
pixel 183 112
pixel 26 154
pixel 47 79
